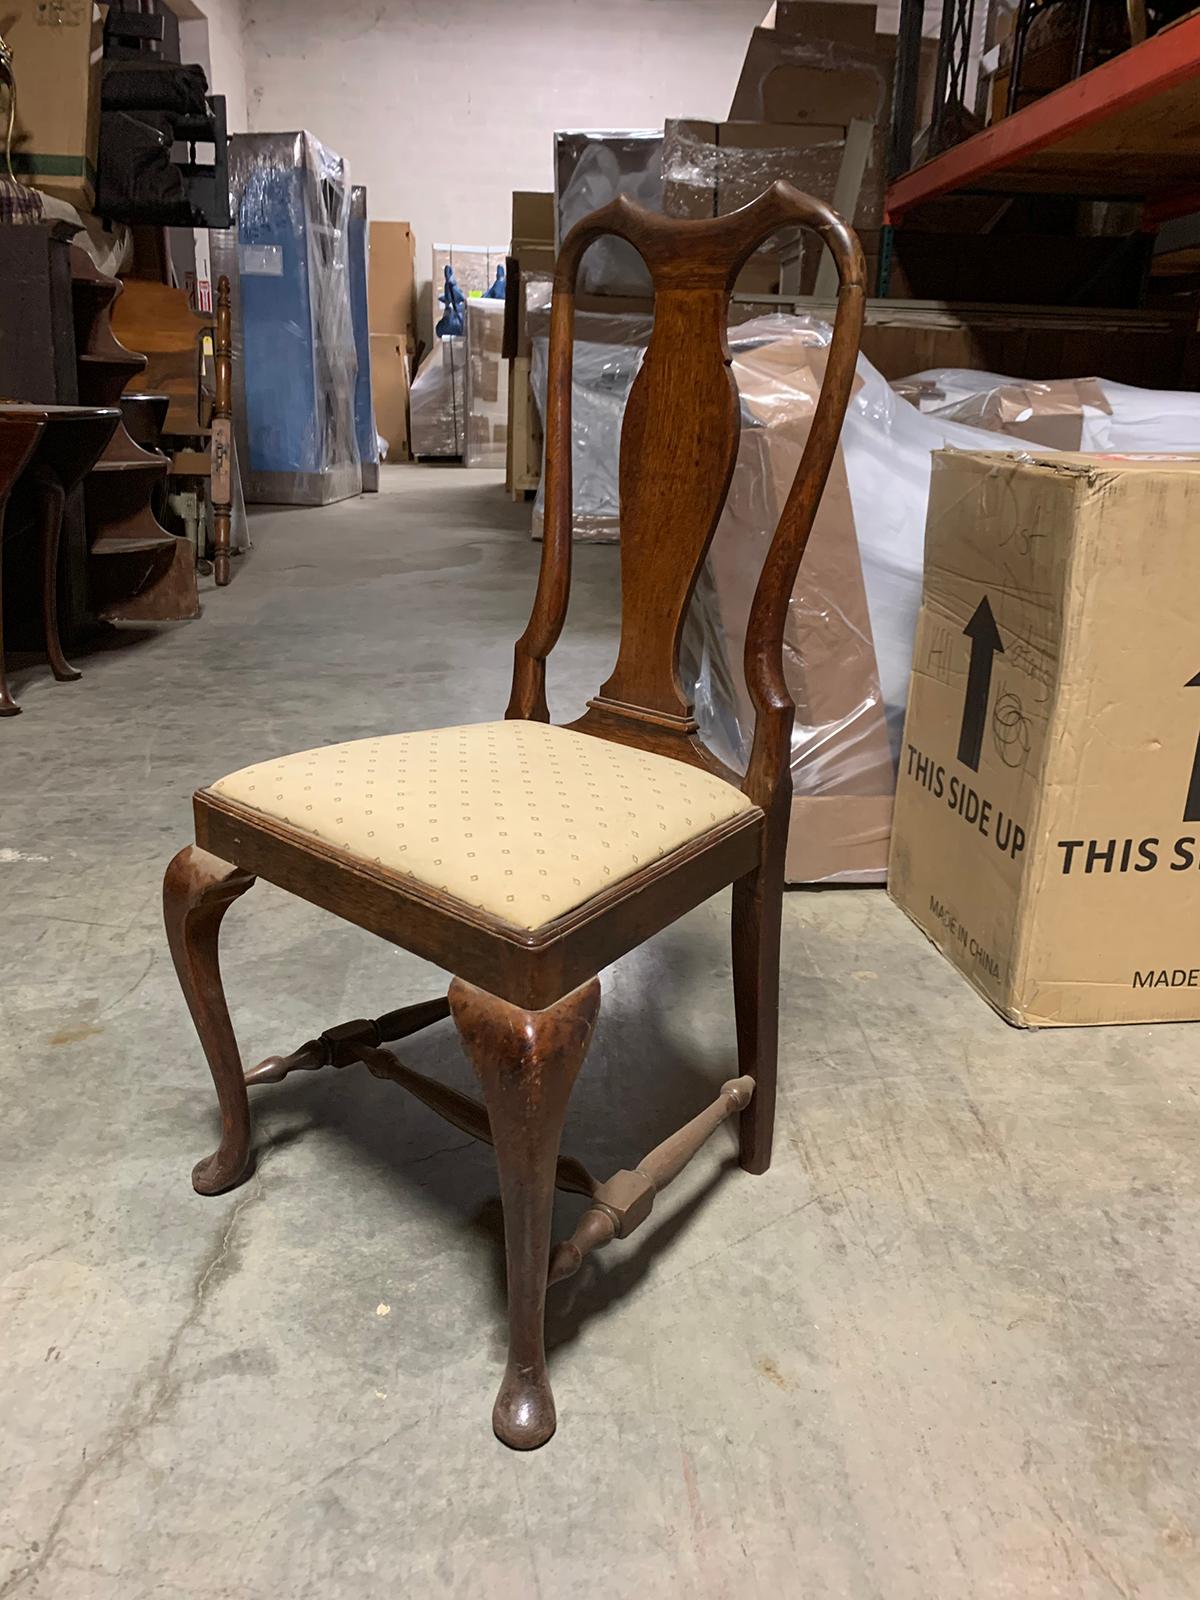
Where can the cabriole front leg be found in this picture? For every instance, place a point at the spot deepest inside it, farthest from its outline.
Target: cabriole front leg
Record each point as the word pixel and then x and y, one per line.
pixel 197 891
pixel 527 1062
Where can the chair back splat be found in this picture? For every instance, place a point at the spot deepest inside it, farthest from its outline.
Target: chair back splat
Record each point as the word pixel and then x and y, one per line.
pixel 678 448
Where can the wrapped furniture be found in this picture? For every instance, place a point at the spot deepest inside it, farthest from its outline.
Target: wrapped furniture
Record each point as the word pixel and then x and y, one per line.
pixel 295 365
pixel 849 624
pixel 364 409
pixel 437 402
pixel 1065 413
pixel 591 167
pixel 608 352
pixel 486 392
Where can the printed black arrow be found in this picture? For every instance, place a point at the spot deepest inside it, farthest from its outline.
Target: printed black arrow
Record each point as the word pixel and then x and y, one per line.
pixel 1191 809
pixel 985 643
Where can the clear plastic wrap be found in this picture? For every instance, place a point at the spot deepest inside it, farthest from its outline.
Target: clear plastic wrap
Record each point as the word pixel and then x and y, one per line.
pixel 842 763
pixel 486 390
pixel 1091 414
pixel 437 402
pixel 592 167
pixel 295 367
pixel 851 621
pixel 608 351
pixel 712 168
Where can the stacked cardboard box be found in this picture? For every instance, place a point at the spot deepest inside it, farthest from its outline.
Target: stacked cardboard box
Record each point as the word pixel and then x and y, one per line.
pixel 811 107
pixel 391 317
pixel 56 56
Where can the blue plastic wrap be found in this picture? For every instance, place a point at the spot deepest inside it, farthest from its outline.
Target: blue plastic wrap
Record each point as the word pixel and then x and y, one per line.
pixel 364 410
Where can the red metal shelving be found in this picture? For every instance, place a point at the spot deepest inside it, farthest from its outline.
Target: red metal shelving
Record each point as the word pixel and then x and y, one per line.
pixel 1128 129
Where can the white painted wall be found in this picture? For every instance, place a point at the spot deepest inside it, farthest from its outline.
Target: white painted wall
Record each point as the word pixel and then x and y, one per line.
pixel 226 53
pixel 443 107
pixel 211 33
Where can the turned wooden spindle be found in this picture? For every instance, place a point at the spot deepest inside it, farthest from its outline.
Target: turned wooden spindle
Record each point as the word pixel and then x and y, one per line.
pixel 358 1041
pixel 464 1113
pixel 221 480
pixel 333 1047
pixel 626 1200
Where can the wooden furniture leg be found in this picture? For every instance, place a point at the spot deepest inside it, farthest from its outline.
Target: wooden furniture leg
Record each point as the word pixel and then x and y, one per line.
pixel 51 504
pixel 8 706
pixel 623 1203
pixel 197 891
pixel 221 437
pixel 757 914
pixel 527 1062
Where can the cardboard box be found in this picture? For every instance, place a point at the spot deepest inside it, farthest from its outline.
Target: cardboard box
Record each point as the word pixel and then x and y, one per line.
pixel 392 279
pixel 1046 833
pixel 56 60
pixel 1151 349
pixel 389 391
pixel 532 219
pixel 523 446
pixel 816 78
pixel 850 25
pixel 1039 269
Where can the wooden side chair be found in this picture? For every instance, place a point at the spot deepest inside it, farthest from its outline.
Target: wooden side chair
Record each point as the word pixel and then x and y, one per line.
pixel 523 857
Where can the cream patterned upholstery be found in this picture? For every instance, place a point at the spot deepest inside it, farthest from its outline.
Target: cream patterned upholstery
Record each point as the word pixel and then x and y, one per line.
pixel 519 819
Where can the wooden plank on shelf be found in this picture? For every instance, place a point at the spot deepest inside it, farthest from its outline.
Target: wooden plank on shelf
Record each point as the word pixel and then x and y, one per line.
pixel 524 461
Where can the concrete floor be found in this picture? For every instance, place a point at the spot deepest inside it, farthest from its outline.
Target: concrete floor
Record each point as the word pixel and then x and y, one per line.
pixel 946 1348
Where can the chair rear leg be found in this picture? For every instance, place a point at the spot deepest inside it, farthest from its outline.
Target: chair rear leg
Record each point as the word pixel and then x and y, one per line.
pixel 527 1062
pixel 197 891
pixel 757 912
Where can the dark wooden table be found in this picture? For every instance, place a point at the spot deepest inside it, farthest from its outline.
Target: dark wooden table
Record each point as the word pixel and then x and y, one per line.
pixel 52 448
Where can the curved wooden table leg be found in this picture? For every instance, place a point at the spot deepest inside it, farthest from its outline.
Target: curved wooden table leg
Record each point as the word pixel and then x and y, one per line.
pixel 197 891
pixel 527 1062
pixel 8 706
pixel 51 504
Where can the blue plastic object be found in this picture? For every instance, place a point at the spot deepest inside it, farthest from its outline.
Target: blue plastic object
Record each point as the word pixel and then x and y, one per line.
pixel 450 323
pixel 496 292
pixel 364 411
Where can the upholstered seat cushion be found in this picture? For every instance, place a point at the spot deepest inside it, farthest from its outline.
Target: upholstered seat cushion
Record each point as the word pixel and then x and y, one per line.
pixel 518 819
